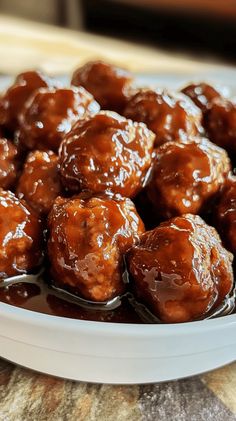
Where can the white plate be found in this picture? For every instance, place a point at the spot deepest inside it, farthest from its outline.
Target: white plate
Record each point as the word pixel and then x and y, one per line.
pixel 120 353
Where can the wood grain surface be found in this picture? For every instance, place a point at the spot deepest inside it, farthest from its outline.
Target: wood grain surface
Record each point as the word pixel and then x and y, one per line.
pixel 29 396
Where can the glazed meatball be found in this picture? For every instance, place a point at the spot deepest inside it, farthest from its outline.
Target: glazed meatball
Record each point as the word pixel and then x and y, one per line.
pixel 108 84
pixel 39 183
pixel 201 94
pixel 20 236
pixel 106 153
pixel 88 237
pixel 9 164
pixel 225 213
pixel 220 124
pixel 15 98
pixel 180 270
pixel 171 119
pixel 186 176
pixel 50 114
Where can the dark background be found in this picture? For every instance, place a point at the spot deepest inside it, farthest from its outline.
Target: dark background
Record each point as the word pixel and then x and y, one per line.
pixel 205 28
pixel 196 30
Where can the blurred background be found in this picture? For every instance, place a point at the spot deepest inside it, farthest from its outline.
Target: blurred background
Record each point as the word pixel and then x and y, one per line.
pixel 146 36
pixel 206 27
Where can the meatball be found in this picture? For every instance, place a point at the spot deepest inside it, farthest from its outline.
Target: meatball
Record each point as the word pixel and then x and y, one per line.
pixel 87 240
pixel 20 236
pixel 170 118
pixel 15 98
pixel 9 164
pixel 186 176
pixel 180 270
pixel 225 214
pixel 50 114
pixel 201 94
pixel 39 183
pixel 108 84
pixel 106 153
pixel 220 124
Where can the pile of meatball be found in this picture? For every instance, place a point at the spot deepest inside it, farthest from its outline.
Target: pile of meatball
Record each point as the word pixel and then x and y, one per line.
pixel 103 178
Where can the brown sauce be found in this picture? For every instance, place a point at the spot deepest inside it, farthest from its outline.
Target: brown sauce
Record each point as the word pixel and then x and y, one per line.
pixel 41 298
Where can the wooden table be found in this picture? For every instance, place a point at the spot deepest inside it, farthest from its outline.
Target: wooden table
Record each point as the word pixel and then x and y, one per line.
pixel 29 396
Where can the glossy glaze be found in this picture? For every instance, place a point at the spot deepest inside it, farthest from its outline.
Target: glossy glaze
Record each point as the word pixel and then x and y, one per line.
pixel 14 99
pixel 220 123
pixel 50 114
pixel 20 236
pixel 180 269
pixel 9 164
pixel 106 153
pixel 225 214
pixel 39 297
pixel 108 84
pixel 88 238
pixel 39 183
pixel 186 176
pixel 201 94
pixel 168 117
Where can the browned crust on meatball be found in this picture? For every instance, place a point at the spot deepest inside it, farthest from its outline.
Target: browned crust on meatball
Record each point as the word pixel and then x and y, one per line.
pixel 88 237
pixel 186 176
pixel 220 124
pixel 106 153
pixel 20 236
pixel 108 84
pixel 201 94
pixel 225 214
pixel 169 117
pixel 180 270
pixel 39 183
pixel 14 99
pixel 50 114
pixel 9 164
